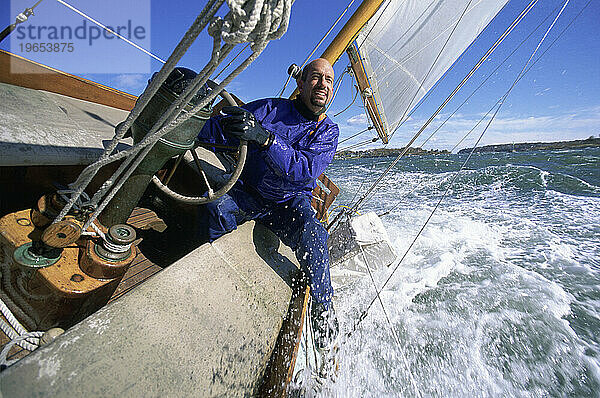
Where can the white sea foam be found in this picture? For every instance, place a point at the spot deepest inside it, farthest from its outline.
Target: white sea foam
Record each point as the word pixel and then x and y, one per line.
pixel 497 297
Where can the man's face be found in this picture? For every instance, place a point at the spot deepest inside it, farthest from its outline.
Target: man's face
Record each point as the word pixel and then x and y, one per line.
pixel 316 90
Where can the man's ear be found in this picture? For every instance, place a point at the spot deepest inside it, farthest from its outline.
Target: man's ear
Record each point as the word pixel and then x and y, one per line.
pixel 299 83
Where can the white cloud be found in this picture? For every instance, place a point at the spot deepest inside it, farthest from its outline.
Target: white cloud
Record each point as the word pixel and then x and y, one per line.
pixel 560 126
pixel 131 81
pixel 360 119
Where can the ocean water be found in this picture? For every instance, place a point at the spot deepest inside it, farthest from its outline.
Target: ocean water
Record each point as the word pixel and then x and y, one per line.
pixel 500 294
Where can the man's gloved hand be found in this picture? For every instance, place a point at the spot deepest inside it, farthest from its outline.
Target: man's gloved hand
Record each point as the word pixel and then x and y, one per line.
pixel 242 124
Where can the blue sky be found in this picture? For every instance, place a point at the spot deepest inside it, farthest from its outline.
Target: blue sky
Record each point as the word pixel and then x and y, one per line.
pixel 557 100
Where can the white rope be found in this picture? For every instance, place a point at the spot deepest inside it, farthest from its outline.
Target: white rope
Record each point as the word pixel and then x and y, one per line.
pixel 14 323
pixel 4 353
pixel 14 330
pixel 29 342
pixel 7 293
pixel 218 29
pixel 8 330
pixel 110 30
pixel 110 246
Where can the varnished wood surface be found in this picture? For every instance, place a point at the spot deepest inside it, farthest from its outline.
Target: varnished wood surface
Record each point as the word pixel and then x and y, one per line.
pixel 22 72
pixel 362 79
pixel 324 197
pixel 280 369
pixel 141 268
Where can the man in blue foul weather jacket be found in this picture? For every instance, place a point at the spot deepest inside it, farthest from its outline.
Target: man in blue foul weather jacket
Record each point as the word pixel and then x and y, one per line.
pixel 291 144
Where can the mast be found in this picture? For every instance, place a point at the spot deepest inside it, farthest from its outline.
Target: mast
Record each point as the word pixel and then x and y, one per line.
pixel 349 31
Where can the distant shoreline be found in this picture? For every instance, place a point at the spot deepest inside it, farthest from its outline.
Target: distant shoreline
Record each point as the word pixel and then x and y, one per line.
pixel 515 147
pixel 386 152
pixel 536 146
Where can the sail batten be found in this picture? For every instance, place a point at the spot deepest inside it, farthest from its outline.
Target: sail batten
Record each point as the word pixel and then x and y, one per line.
pixel 407 47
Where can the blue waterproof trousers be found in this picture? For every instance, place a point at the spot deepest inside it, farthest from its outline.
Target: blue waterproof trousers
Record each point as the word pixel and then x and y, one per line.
pixel 293 221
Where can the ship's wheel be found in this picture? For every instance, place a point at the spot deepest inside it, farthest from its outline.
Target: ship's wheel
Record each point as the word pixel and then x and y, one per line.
pixel 236 154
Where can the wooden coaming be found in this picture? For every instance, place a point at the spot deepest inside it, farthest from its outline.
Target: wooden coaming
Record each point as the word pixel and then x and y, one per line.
pixel 22 72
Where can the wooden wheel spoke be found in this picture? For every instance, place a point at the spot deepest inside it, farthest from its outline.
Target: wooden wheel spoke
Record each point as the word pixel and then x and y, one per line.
pixel 170 175
pixel 202 173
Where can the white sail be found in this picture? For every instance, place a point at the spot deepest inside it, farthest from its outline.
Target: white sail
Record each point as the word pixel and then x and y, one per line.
pixel 409 44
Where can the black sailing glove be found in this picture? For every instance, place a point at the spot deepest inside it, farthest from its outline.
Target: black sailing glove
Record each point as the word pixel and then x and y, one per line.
pixel 242 124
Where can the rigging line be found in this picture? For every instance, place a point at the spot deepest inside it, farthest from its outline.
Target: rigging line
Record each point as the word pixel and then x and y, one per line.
pixel 110 30
pixel 486 79
pixel 336 88
pixel 36 4
pixel 351 103
pixel 474 127
pixel 399 63
pixel 411 26
pixel 406 148
pixel 173 117
pixel 364 105
pixel 399 201
pixel 362 183
pixel 90 171
pixel 526 68
pixel 573 20
pixel 327 34
pixel 362 143
pixel 537 59
pixel 232 61
pixel 318 45
pixel 502 100
pixel 20 18
pixel 356 135
pixel 439 109
pixel 285 85
pixel 420 87
pixel 387 318
pixel 376 22
pixel 365 312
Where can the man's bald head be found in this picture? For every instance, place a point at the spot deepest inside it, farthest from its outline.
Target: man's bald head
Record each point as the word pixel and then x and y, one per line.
pixel 316 84
pixel 316 62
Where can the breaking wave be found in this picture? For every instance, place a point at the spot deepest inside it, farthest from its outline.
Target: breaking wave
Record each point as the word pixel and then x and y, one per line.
pixel 500 294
